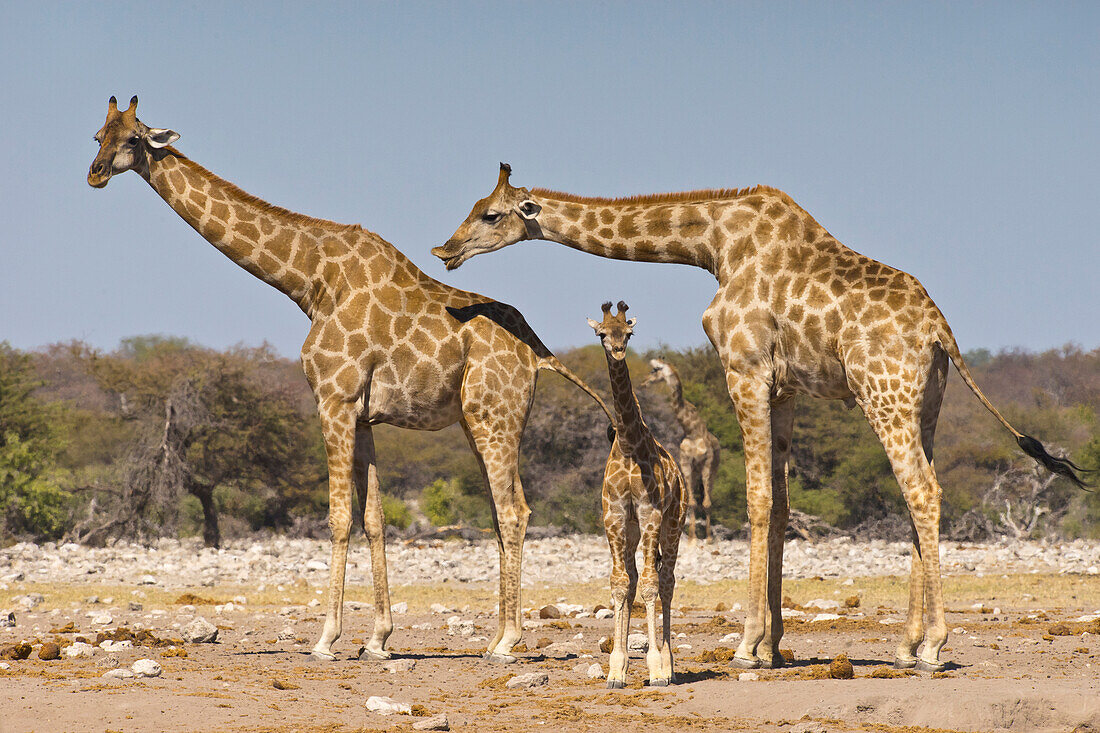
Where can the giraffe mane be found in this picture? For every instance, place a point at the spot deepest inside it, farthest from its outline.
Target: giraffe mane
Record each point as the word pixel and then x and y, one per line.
pixel 706 194
pixel 264 207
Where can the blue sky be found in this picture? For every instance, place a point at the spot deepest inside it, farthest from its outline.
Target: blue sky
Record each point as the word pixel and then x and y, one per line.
pixel 960 142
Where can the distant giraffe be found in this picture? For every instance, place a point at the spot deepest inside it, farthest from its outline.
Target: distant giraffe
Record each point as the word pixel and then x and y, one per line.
pixel 796 311
pixel 643 498
pixel 700 450
pixel 387 345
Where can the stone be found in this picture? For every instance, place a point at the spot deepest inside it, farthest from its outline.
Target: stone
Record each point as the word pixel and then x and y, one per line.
pixel 841 668
pixel 120 673
pixel 387 706
pixel 200 631
pixel 16 652
pixel 439 608
pixel 549 611
pixel 637 643
pixel 30 600
pixel 109 645
pixel 525 681
pixel 103 619
pixel 730 637
pixel 748 677
pixel 316 565
pixel 13 577
pixel 605 613
pixel 146 668
pixel 825 617
pixel 287 634
pixel 132 606
pixel 435 722
pixel 7 619
pixel 147 580
pixel 49 650
pixel 79 649
pixel 401 607
pixel 594 672
pixel 314 603
pixel 397 666
pixel 822 604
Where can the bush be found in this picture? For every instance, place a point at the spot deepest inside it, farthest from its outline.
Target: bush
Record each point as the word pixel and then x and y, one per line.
pixel 396 512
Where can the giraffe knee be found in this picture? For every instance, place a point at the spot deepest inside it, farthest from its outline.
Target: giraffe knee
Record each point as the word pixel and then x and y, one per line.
pixel 340 526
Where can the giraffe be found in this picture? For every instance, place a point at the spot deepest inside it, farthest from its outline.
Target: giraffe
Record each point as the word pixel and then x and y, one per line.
pixel 387 345
pixel 643 499
pixel 699 450
pixel 795 312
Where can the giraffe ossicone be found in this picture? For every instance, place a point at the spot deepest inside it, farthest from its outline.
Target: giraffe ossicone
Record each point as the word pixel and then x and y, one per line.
pixel 795 312
pixel 643 502
pixel 387 345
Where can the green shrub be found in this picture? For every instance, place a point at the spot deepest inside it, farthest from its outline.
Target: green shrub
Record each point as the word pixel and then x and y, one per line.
pixel 396 512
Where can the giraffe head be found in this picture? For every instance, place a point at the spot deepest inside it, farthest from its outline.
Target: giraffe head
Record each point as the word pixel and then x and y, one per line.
pixel 504 217
pixel 125 143
pixel 661 371
pixel 614 330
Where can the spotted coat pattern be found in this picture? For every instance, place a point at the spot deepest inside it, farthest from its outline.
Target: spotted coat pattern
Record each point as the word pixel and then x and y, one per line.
pixel 387 345
pixel 643 501
pixel 700 451
pixel 795 312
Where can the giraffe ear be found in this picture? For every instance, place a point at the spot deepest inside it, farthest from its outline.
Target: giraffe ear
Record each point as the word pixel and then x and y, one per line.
pixel 594 324
pixel 158 138
pixel 529 210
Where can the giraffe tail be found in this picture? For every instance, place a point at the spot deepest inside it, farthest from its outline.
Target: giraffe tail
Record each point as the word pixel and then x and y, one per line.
pixel 552 363
pixel 1061 466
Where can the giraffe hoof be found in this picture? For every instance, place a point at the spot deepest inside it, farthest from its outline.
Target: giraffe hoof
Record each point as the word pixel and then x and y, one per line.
pixel 373 655
pixel 773 663
pixel 661 682
pixel 924 666
pixel 900 663
pixel 745 663
pixel 324 656
pixel 615 684
pixel 496 658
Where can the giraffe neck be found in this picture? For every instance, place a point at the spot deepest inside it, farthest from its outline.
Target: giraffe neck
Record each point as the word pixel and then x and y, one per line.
pixel 631 428
pixel 668 231
pixel 685 411
pixel 277 246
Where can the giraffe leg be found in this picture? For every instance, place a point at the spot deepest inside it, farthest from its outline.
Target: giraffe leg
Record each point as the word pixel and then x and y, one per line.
pixel 671 527
pixel 902 436
pixel 751 400
pixel 338 427
pixel 687 466
pixel 650 518
pixel 370 499
pixel 622 540
pixel 709 473
pixel 499 454
pixel 782 419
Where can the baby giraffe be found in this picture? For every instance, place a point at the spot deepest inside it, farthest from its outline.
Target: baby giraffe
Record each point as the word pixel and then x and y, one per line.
pixel 643 498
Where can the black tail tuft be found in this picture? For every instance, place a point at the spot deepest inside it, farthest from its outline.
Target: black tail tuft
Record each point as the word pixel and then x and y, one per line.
pixel 610 433
pixel 1061 466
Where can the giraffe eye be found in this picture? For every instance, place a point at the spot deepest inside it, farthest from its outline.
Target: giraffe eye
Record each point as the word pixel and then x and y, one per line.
pixel 492 217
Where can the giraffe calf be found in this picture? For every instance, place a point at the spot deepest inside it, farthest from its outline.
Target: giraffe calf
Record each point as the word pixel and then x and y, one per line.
pixel 643 500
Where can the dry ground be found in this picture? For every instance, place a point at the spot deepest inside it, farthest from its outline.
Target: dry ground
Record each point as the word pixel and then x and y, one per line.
pixel 1008 672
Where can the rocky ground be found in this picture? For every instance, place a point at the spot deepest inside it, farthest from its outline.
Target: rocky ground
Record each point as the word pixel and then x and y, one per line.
pixel 131 630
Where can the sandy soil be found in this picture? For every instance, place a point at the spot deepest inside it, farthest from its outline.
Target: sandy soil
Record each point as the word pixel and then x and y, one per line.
pixel 1021 661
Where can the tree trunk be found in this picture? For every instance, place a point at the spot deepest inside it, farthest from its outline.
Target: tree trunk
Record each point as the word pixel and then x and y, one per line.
pixel 211 536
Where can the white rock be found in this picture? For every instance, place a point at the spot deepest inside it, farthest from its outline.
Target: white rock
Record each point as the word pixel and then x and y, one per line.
pixel 313 603
pixel 397 666
pixel 605 613
pixel 748 677
pixel 637 643
pixel 594 672
pixel 401 607
pixel 287 634
pixel 7 619
pixel 146 668
pixel 240 600
pixel 316 565
pixel 79 649
pixel 730 637
pixel 200 631
pixel 109 645
pixel 387 706
pixel 1081 619
pixel 439 608
pixel 13 577
pixel 121 673
pixel 825 617
pixel 531 679
pixel 102 619
pixel 435 722
pixel 5 665
pixel 823 604
pixel 147 580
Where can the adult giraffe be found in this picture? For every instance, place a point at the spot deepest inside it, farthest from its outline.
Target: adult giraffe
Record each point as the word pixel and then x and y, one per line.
pixel 387 345
pixel 796 311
